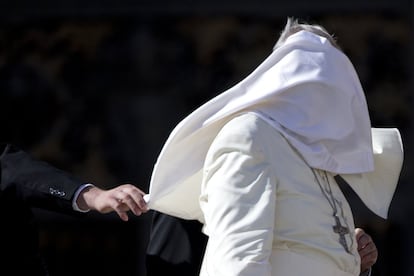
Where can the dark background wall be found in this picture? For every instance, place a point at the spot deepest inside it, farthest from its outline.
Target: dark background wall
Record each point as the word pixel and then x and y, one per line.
pixel 95 88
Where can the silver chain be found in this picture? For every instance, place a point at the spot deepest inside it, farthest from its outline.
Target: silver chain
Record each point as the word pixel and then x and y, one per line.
pixel 338 228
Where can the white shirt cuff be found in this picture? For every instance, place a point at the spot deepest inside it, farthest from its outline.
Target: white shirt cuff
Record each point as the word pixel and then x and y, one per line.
pixel 75 197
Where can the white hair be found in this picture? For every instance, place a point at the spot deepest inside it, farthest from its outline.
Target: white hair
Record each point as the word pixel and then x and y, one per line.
pixel 293 26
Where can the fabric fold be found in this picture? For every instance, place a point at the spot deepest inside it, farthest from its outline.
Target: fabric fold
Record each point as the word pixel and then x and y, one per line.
pixel 312 94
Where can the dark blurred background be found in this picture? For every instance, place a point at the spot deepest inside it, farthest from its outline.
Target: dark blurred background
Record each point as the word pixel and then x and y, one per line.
pixel 95 87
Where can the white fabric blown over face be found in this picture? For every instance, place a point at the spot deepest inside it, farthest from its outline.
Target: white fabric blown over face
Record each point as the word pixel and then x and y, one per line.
pixel 307 89
pixel 313 94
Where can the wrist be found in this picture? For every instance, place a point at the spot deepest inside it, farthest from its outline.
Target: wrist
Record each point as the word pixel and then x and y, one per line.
pixel 87 197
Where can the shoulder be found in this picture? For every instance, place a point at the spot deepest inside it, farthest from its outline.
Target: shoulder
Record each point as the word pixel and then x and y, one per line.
pixel 248 127
pixel 247 132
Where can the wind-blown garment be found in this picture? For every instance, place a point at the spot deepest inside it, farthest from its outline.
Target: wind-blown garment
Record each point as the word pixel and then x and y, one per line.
pixel 307 92
pixel 264 210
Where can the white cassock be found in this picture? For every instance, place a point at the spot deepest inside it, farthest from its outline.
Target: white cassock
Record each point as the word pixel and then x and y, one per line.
pixel 256 166
pixel 273 219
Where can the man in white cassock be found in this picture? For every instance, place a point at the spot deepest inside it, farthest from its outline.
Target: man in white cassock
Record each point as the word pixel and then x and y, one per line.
pixel 258 164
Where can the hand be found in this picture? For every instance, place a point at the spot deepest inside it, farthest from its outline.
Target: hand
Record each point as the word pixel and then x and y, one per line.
pixel 121 199
pixel 366 249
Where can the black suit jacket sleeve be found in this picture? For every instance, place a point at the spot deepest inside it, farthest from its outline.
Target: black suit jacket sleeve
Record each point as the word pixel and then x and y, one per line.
pixel 34 182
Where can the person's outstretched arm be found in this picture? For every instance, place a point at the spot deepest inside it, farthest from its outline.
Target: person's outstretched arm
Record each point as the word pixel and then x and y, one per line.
pixel 39 184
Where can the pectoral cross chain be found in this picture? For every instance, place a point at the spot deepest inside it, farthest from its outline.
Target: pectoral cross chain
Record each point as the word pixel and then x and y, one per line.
pixel 338 228
pixel 341 231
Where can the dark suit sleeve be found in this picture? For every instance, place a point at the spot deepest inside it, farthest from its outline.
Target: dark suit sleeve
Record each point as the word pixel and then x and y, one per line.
pixel 35 182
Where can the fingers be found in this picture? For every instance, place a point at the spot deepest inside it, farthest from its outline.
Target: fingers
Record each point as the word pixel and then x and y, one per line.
pixel 366 248
pixel 129 198
pixel 369 254
pixel 362 238
pixel 365 243
pixel 358 233
pixel 133 197
pixel 121 199
pixel 120 207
